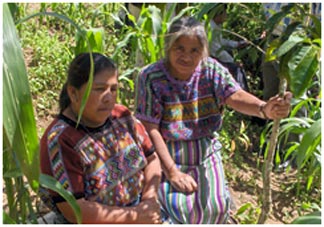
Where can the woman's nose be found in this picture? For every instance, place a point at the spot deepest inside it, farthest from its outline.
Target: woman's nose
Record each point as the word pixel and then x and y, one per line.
pixel 186 56
pixel 107 97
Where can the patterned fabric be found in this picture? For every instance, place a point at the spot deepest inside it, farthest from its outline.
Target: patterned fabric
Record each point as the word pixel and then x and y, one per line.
pixel 202 160
pixel 189 114
pixel 102 164
pixel 185 110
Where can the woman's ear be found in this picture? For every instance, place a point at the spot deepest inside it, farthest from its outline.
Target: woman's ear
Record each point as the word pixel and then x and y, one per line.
pixel 73 94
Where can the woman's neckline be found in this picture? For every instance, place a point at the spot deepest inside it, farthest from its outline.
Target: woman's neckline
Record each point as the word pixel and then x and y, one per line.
pixel 87 129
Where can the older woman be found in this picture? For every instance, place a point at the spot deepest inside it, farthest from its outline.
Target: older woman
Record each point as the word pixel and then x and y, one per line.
pixel 180 100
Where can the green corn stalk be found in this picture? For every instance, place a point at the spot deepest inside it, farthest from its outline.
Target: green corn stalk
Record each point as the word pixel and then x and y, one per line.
pixel 20 153
pixel 21 145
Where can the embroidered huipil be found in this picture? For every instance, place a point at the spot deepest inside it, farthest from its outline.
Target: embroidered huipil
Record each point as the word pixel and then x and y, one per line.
pixel 189 113
pixel 103 164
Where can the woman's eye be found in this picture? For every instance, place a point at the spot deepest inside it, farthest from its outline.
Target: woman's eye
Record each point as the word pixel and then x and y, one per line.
pixel 99 89
pixel 196 50
pixel 179 49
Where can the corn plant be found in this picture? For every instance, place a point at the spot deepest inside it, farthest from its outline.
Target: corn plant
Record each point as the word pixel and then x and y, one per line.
pixel 21 145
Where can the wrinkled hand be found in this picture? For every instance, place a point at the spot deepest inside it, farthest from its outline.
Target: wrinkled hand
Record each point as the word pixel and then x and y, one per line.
pixel 148 212
pixel 182 181
pixel 277 107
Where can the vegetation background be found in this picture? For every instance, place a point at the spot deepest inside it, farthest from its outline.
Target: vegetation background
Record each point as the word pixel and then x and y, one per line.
pixel 51 34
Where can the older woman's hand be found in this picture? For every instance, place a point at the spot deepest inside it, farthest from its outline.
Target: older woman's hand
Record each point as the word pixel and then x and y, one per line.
pixel 278 107
pixel 182 181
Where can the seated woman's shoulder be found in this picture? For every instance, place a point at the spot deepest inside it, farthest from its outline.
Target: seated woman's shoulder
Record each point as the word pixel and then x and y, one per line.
pixel 120 111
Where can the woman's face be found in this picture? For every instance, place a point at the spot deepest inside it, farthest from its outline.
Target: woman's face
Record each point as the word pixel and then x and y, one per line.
pixel 101 100
pixel 184 56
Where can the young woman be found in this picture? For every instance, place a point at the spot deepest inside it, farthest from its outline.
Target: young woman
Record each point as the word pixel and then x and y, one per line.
pixel 180 101
pixel 107 161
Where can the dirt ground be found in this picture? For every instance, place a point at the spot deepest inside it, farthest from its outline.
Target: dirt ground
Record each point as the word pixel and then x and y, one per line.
pixel 246 186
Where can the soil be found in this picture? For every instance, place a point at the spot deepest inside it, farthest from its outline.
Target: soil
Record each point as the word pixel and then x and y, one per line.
pixel 246 186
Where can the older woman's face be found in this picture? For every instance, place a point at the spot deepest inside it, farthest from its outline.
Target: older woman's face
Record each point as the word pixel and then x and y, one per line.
pixel 184 56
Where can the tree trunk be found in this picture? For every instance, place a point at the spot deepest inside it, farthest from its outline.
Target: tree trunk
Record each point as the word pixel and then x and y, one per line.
pixel 267 168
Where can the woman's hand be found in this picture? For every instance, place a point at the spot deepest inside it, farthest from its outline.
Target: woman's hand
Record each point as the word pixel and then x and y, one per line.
pixel 181 181
pixel 277 107
pixel 148 212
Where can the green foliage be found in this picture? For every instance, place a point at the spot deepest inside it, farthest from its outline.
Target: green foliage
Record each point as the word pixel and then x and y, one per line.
pixel 19 128
pixel 247 214
pixel 306 152
pixel 52 184
pixel 21 147
pixel 93 37
pixel 297 49
pixel 312 218
pixel 51 41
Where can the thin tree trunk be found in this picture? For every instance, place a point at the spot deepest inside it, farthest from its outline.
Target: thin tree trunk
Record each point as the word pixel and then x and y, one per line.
pixel 267 168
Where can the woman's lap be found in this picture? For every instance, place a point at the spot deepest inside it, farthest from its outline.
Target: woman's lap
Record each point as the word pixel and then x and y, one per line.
pixel 210 203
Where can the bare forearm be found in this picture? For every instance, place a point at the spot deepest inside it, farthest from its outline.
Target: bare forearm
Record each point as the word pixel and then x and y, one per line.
pixel 161 148
pixel 275 108
pixel 152 175
pixel 95 213
pixel 245 103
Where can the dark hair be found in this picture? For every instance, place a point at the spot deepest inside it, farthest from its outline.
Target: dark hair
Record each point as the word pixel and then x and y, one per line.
pixel 79 72
pixel 186 26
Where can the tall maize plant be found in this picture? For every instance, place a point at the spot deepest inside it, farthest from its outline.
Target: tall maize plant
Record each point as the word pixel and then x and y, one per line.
pixel 20 140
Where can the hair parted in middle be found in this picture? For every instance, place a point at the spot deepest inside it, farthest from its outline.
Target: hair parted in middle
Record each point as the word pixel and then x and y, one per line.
pixel 186 26
pixel 79 73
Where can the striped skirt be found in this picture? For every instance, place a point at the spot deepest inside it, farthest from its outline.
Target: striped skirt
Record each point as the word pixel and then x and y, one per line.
pixel 210 203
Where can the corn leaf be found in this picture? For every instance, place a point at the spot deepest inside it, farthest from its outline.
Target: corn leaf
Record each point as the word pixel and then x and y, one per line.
pixel 122 44
pixel 95 36
pixel 81 32
pixel 51 183
pixel 18 117
pixel 7 219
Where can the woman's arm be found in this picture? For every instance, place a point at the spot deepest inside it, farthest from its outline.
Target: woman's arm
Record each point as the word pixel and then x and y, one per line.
pixel 147 212
pixel 152 174
pixel 247 103
pixel 179 180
